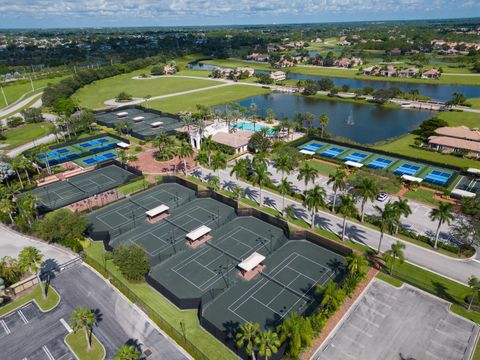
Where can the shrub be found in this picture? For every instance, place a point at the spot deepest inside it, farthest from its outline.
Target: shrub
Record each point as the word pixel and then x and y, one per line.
pixel 14 121
pixel 132 261
pixel 123 96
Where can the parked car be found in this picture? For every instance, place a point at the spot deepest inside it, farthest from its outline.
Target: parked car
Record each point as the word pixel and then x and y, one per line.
pixel 382 196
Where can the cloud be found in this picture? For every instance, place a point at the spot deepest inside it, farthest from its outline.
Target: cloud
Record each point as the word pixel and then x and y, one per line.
pixel 156 10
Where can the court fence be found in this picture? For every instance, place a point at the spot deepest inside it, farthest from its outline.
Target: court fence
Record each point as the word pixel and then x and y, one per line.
pixel 87 139
pixel 164 324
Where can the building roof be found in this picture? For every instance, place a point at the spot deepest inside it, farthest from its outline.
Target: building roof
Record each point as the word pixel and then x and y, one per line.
pixel 251 262
pixel 236 139
pixel 455 143
pixel 431 72
pixel 196 234
pixel 461 132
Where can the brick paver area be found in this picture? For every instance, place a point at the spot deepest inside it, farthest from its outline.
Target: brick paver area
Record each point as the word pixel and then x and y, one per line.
pixel 339 314
pixel 147 164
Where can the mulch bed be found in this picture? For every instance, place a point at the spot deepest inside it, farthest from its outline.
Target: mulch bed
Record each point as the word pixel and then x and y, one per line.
pixel 339 314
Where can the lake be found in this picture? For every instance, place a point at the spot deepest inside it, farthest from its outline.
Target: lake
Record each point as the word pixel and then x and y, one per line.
pixel 364 124
pixel 441 92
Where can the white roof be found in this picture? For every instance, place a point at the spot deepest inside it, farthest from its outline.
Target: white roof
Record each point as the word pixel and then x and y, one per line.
pixel 157 210
pixel 307 152
pixel 138 118
pixel 353 164
pixel 462 193
pixel 473 171
pixel 156 123
pixel 411 178
pixel 121 114
pixel 123 145
pixel 198 232
pixel 252 261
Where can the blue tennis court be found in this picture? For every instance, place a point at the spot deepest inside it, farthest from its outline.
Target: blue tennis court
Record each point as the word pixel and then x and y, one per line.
pixel 312 147
pixel 94 142
pixel 332 152
pixel 437 177
pixel 53 153
pixel 379 163
pixel 99 158
pixel 407 169
pixel 356 157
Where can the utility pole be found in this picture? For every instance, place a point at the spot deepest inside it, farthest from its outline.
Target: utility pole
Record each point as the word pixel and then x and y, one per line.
pixel 31 83
pixel 4 97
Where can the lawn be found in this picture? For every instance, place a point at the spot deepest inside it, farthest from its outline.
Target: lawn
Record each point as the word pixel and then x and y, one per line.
pixel 475 102
pixel 132 187
pixel 166 310
pixel 78 344
pixel 422 195
pixel 13 91
pixel 52 300
pixel 38 94
pixel 323 168
pixel 94 95
pixel 25 133
pixel 208 98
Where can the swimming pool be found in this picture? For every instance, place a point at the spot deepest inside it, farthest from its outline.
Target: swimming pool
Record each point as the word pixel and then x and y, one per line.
pixel 242 125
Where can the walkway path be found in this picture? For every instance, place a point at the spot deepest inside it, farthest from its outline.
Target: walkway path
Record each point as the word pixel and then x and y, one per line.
pixel 455 269
pixel 43 140
pixel 11 110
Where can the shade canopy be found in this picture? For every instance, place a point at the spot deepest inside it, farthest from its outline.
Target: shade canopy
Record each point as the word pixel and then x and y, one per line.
pixel 307 152
pixel 353 164
pixel 412 178
pixel 251 262
pixel 157 210
pixel 198 233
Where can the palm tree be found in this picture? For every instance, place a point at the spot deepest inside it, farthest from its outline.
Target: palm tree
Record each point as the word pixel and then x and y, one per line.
pixel 402 209
pixel 239 170
pixel 395 252
pixel 366 189
pixel 184 151
pixel 291 331
pixel 247 336
pixel 338 181
pixel 214 182
pixel 17 166
pixel 268 343
pixel 307 173
pixel 387 222
pixel 128 352
pixel 314 200
pixel 332 296
pixel 285 187
pixel 161 140
pixel 30 259
pixel 83 319
pixel 202 157
pixel 260 177
pixel 348 209
pixel 7 207
pixel 442 214
pixel 208 146
pixel 27 207
pixel 355 263
pixel 187 120
pixel 474 284
pixel 284 163
pixel 289 211
pixel 219 161
pixel 324 120
pixel 26 165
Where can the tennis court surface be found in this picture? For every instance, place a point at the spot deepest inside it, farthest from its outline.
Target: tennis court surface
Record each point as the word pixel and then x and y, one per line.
pixel 61 193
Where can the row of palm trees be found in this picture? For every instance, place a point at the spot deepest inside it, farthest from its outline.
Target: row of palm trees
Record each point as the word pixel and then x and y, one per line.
pixel 168 147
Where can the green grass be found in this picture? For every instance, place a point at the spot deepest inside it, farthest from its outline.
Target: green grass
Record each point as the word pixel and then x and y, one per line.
pixel 78 344
pixel 322 168
pixel 422 195
pixel 94 95
pixel 476 355
pixel 388 279
pixel 195 333
pixel 15 90
pixel 25 133
pixel 27 105
pixel 475 102
pixel 208 98
pixel 132 187
pixel 45 305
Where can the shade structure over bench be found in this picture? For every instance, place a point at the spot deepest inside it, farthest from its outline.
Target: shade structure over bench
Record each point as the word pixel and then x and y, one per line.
pixel 198 233
pixel 157 210
pixel 251 262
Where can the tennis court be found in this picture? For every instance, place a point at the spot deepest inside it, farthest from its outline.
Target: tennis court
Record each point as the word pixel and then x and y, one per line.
pixel 438 177
pixel 406 169
pixel 332 152
pixel 97 158
pixel 313 146
pixel 356 157
pixel 141 123
pixel 287 284
pixel 379 163
pixel 212 267
pixel 469 184
pixel 61 193
pixel 81 151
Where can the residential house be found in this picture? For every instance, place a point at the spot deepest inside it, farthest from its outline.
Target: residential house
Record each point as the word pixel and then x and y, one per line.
pixel 396 52
pixel 459 139
pixel 371 70
pixel 237 140
pixel 431 74
pixel 407 73
pixel 258 57
pixel 283 63
pixel 278 75
pixel 388 71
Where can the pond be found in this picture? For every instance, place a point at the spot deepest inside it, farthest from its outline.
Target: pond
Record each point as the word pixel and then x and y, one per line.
pixel 364 124
pixel 440 92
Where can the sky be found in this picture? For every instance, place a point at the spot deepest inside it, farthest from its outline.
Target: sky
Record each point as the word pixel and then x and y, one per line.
pixel 121 13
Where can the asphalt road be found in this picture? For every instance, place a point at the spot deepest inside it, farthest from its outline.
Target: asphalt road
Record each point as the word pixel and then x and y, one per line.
pixel 459 270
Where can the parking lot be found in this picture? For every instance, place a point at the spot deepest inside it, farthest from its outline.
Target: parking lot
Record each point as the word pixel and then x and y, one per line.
pixel 400 323
pixel 19 327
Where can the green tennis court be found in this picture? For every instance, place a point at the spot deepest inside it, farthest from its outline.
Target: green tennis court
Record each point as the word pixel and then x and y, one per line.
pixel 61 193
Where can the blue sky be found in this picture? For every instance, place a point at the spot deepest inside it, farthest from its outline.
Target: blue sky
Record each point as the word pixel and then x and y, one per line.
pixel 102 13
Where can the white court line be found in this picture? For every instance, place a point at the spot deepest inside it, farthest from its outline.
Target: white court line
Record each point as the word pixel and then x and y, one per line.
pixel 49 354
pixel 25 320
pixel 5 327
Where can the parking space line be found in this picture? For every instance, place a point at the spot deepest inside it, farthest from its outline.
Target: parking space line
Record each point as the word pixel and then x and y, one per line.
pixel 5 327
pixel 22 315
pixel 353 341
pixel 65 324
pixel 368 320
pixel 369 308
pixel 378 301
pixel 362 331
pixel 340 351
pixel 49 354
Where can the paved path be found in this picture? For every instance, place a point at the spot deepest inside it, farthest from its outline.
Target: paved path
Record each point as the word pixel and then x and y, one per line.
pixel 456 269
pixel 11 110
pixel 43 140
